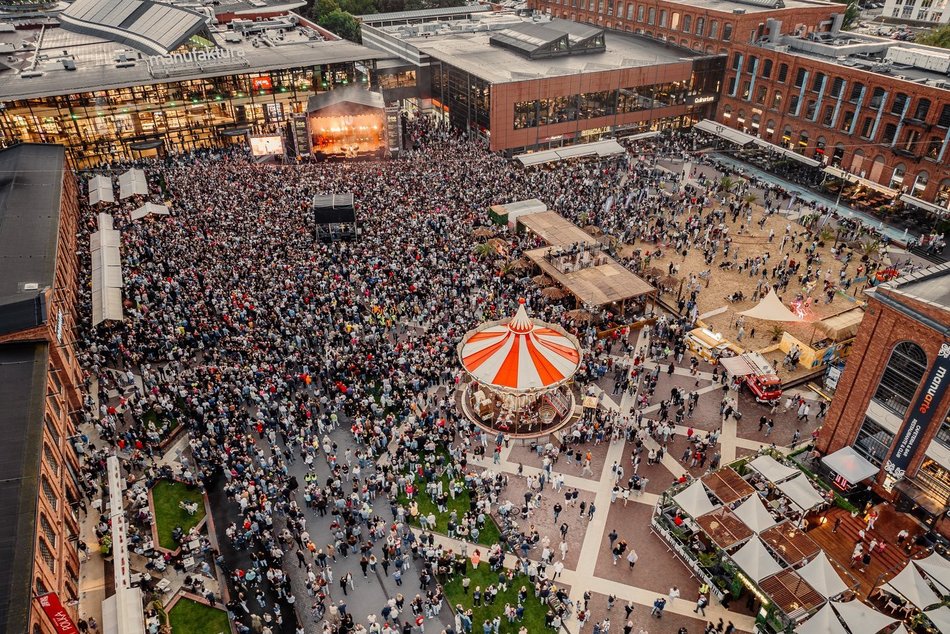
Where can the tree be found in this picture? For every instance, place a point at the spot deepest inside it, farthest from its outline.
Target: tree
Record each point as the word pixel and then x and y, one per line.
pixel 341 23
pixel 484 250
pixel 936 37
pixel 851 16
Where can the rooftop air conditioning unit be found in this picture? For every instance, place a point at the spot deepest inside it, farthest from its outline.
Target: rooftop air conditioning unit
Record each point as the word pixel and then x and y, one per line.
pixel 69 64
pixel 30 74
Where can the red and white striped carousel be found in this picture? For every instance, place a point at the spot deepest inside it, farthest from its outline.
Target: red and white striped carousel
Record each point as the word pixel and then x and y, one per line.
pixel 520 372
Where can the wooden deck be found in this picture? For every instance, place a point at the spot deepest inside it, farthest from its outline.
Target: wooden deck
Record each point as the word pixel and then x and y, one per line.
pixel 840 545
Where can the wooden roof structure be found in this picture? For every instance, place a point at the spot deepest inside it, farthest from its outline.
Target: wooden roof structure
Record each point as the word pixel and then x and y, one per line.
pixel 789 543
pixel 728 485
pixel 555 229
pixel 791 594
pixel 600 285
pixel 724 528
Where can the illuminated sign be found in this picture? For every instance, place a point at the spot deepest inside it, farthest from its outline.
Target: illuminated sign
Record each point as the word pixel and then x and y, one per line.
pixel 594 132
pixel 194 57
pixel 266 145
pixel 261 83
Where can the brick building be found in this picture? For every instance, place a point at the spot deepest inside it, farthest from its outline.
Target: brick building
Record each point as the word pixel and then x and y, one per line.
pixel 892 401
pixel 876 108
pixel 39 386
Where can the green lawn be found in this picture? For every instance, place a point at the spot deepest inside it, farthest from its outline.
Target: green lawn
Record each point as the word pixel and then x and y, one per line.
pixel 191 617
pixel 534 610
pixel 488 534
pixel 165 497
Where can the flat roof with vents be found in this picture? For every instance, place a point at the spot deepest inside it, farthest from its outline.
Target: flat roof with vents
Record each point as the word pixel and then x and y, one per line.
pixel 550 39
pixel 151 27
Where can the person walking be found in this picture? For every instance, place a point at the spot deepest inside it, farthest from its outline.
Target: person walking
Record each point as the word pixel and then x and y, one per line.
pixel 701 604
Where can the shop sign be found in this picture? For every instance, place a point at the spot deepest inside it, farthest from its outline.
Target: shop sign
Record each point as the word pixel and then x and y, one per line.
pixel 701 99
pixel 594 132
pixel 193 57
pixel 922 415
pixel 58 616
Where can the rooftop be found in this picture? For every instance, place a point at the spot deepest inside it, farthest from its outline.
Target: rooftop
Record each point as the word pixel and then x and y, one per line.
pixel 930 285
pixel 467 45
pixel 22 392
pixel 31 178
pixel 99 64
pixel 754 6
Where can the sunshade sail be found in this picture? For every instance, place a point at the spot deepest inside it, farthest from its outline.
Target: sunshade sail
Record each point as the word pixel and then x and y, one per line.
pixel 771 308
pixel 824 621
pixel 520 355
pixel 822 576
pixel 755 561
pixel 133 183
pixel 802 494
pixel 772 469
pixel 150 209
pixel 754 514
pixel 861 619
pixel 100 190
pixel 937 568
pixel 911 585
pixel 850 465
pixel 694 500
pixel 940 617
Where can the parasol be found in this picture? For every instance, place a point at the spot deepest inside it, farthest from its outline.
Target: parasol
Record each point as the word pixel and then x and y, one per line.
pixel 552 292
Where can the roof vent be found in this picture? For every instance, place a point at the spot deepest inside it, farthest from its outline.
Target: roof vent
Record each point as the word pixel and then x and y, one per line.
pixel 31 286
pixel 30 74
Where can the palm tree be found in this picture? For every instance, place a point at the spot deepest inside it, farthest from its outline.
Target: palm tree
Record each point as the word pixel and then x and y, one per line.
pixel 749 198
pixel 483 250
pixel 726 184
pixel 871 248
pixel 825 235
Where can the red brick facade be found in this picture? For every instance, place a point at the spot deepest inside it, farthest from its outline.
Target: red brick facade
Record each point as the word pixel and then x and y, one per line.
pixel 895 149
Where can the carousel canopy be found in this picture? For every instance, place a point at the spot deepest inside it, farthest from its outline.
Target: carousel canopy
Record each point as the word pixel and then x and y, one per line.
pixel 520 355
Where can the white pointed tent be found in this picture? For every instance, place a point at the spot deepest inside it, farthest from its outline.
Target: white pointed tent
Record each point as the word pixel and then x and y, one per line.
pixel 936 568
pixel 911 585
pixel 694 500
pixel 754 514
pixel 100 190
pixel 940 617
pixel 824 621
pixel 150 209
pixel 822 576
pixel 861 619
pixel 802 494
pixel 900 629
pixel 133 183
pixel 771 308
pixel 773 470
pixel 755 561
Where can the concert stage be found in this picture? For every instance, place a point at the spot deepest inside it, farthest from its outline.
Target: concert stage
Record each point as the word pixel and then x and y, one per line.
pixel 348 123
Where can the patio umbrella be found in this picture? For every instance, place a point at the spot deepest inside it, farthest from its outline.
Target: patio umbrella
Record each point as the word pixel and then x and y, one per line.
pixel 594 230
pixel 860 618
pixel 552 292
pixel 521 264
pixel 579 314
pixel 483 232
pixel 652 271
pixel 542 280
pixel 911 585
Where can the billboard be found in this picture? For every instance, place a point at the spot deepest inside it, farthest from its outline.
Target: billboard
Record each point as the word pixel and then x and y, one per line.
pixel 266 145
pixel 62 622
pixel 921 416
pixel 261 83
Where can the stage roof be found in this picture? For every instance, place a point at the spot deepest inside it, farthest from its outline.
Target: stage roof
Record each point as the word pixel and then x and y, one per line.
pixel 607 283
pixel 555 229
pixel 357 96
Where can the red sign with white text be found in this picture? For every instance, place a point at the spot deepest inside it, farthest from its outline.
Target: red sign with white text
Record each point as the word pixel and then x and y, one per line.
pixel 58 616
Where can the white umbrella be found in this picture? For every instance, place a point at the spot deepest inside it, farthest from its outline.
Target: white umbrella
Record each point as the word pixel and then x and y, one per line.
pixel 754 514
pixel 937 568
pixel 693 500
pixel 911 585
pixel 822 576
pixel 940 617
pixel 861 619
pixel 824 621
pixel 755 561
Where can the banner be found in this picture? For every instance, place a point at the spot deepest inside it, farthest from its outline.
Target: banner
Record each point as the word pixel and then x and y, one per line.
pixel 921 416
pixel 58 616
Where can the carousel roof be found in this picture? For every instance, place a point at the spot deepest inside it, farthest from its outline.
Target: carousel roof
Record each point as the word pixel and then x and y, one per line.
pixel 519 354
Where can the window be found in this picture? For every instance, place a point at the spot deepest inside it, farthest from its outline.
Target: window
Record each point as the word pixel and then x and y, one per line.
pixel 640 11
pixel 675 21
pixel 782 73
pixel 901 377
pixel 900 102
pixel 897 177
pixel 877 98
pixel 826 116
pixel 727 111
pixel 49 493
pixel 873 441
pixel 837 86
pixel 810 109
pixel 47 529
pixel 856 91
pixel 50 459
pixel 933 148
pixel 652 19
pixel 700 26
pixel 51 429
pixel 792 104
pixel 767 68
pixel 847 120
pixel 920 183
pixel 777 100
pixel 630 11
pixel 760 94
pixel 800 77
pixel 663 16
pixel 866 127
pixel 818 82
pixel 736 61
pixel 923 108
pixel 943 434
pixel 726 32
pixel 714 29
pixel 944 120
pixel 47 556
pixel 687 23
pixel 746 86
pixel 889 131
pixel 732 87
pixel 750 65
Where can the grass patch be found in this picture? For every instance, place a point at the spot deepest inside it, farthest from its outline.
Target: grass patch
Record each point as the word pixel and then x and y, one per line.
pixel 165 424
pixel 191 617
pixel 488 535
pixel 165 498
pixel 534 610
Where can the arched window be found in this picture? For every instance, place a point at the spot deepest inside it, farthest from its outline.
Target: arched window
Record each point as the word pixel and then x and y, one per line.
pixel 727 112
pixel 802 142
pixel 877 168
pixel 920 183
pixel 700 26
pixel 740 117
pixel 857 163
pixel 923 108
pixel 901 378
pixel 838 155
pixel 787 136
pixel 770 127
pixel 767 68
pixel 755 124
pixel 820 143
pixel 663 16
pixel 943 193
pixel 630 11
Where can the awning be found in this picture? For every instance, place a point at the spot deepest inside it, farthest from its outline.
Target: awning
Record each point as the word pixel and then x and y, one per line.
pixel 133 183
pixel 694 500
pixel 911 585
pixel 598 148
pixel 772 469
pixel 755 560
pixel 843 325
pixel 745 364
pixel 936 568
pixel 850 465
pixel 787 153
pixel 146 145
pixel 861 619
pixel 802 494
pixel 235 132
pixel 642 135
pixel 754 514
pixel 821 575
pixel 100 190
pixel 824 621
pixel 150 209
pixel 840 173
pixel 106 272
pixel 725 132
pixel 923 204
pixel 771 308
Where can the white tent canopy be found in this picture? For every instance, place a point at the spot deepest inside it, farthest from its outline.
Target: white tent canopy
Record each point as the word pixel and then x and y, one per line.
pixel 133 183
pixel 754 514
pixel 772 469
pixel 937 568
pixel 911 585
pixel 850 465
pixel 824 621
pixel 694 500
pixel 755 561
pixel 802 494
pixel 861 619
pixel 771 308
pixel 100 190
pixel 106 272
pixel 940 617
pixel 822 576
pixel 150 209
pixel 601 149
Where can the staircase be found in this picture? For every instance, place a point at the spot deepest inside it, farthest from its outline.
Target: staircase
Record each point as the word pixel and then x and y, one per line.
pixel 921 252
pixel 893 557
